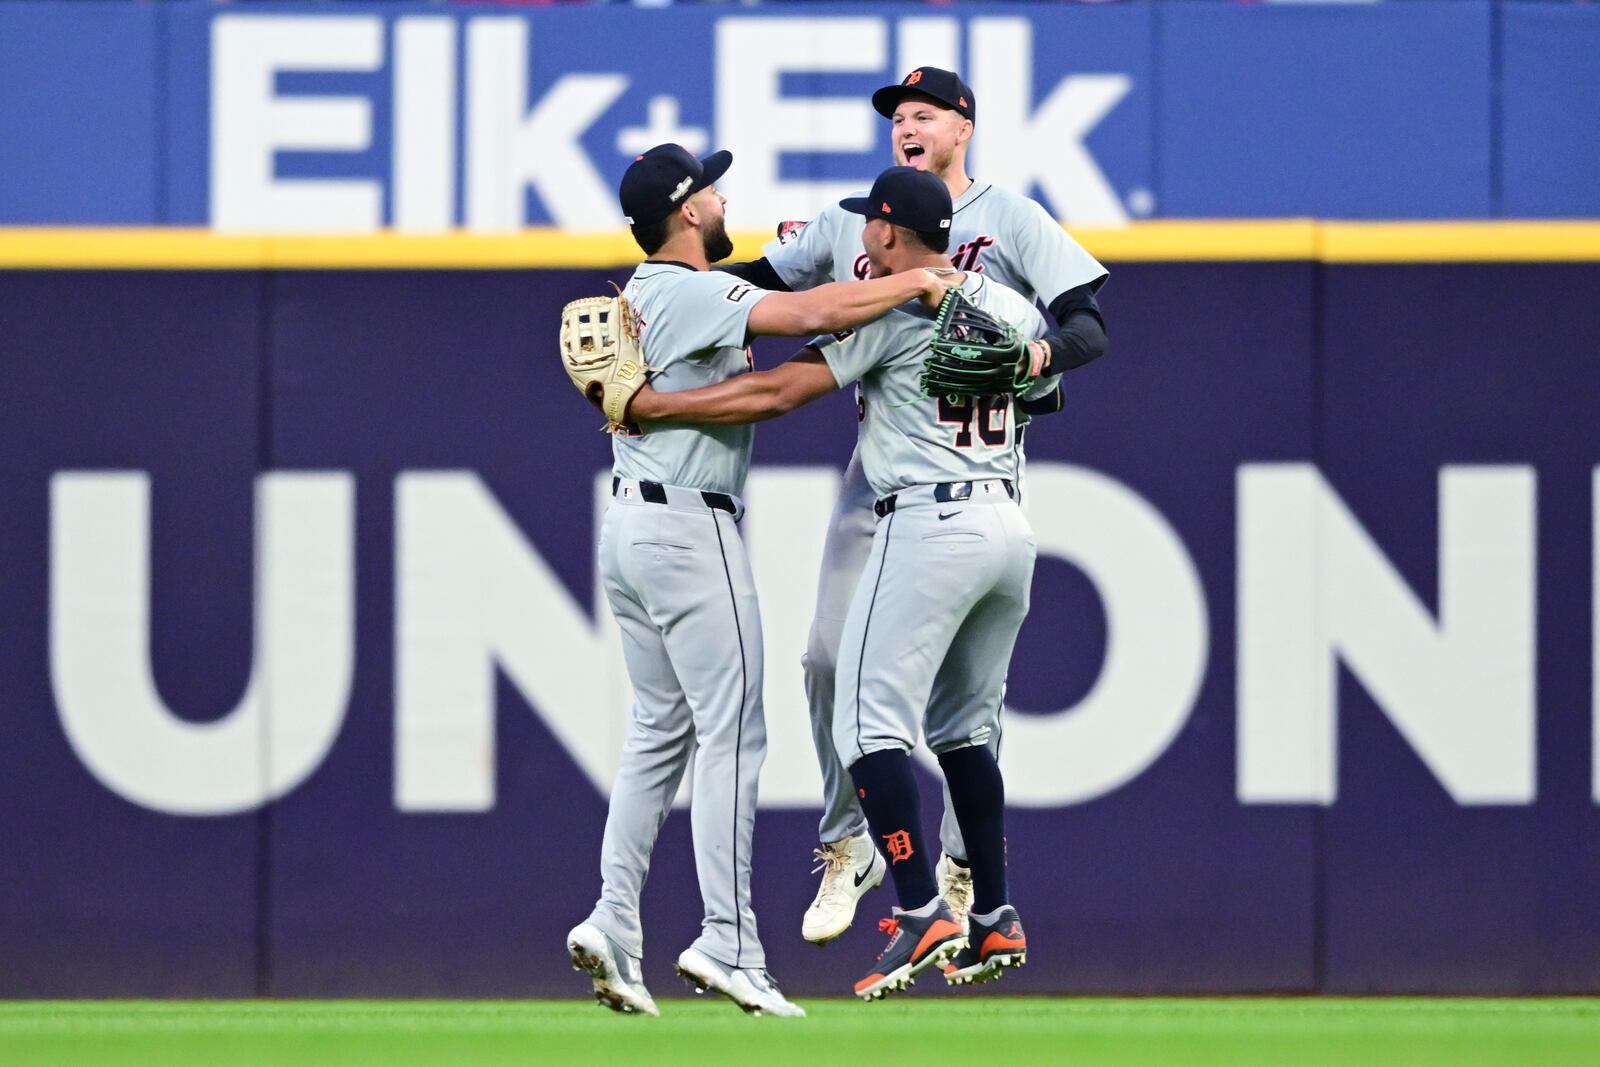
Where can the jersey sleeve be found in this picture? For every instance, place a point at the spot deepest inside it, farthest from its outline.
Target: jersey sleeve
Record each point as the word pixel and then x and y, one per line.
pixel 1051 260
pixel 850 354
pixel 711 310
pixel 803 257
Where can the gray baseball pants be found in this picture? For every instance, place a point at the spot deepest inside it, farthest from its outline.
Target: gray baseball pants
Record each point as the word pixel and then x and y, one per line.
pixel 844 558
pixel 679 584
pixel 933 623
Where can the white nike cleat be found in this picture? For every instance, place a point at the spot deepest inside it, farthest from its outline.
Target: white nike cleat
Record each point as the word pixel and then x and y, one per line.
pixel 617 983
pixel 849 868
pixel 752 988
pixel 955 885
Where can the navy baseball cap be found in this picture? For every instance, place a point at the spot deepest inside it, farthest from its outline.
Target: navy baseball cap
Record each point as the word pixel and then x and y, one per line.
pixel 942 85
pixel 664 177
pixel 906 197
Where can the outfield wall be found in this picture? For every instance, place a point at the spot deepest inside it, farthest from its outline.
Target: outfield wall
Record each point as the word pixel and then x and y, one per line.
pixel 406 798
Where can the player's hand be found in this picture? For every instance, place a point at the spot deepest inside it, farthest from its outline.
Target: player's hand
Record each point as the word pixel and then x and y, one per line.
pixel 938 281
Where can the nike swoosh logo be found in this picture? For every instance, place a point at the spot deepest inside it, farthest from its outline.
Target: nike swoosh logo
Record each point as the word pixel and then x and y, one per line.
pixel 943 516
pixel 863 876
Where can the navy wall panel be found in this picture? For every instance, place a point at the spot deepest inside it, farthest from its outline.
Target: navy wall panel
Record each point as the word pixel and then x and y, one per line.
pixel 1183 397
pixel 1425 366
pixel 1167 884
pixel 379 373
pixel 152 372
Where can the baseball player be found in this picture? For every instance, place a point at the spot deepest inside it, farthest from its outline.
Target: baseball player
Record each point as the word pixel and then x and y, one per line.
pixel 676 577
pixel 945 588
pixel 1005 237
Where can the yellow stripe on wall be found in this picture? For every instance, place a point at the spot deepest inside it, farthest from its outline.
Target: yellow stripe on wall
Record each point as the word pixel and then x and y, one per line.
pixel 172 248
pixel 1183 239
pixel 1459 242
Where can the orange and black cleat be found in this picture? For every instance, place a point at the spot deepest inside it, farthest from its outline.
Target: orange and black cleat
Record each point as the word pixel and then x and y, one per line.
pixel 995 942
pixel 917 940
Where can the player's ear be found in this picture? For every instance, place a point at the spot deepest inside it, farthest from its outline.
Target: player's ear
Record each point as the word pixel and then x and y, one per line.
pixel 964 132
pixel 697 208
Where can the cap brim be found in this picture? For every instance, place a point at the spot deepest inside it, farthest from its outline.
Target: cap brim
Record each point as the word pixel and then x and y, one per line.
pixel 858 205
pixel 715 166
pixel 885 100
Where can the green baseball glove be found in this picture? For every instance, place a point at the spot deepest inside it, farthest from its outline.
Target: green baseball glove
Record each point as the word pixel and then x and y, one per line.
pixel 975 354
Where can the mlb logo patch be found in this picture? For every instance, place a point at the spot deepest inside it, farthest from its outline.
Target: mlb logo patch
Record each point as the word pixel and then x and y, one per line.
pixel 789 231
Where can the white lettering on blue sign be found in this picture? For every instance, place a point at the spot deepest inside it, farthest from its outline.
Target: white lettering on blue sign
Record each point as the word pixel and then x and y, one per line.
pixel 514 144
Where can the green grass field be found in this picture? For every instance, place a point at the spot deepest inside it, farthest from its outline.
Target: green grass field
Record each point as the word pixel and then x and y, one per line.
pixel 1083 1032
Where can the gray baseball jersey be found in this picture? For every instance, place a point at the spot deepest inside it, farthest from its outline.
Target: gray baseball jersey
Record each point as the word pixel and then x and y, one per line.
pixel 678 581
pixel 692 327
pixel 993 231
pixel 911 439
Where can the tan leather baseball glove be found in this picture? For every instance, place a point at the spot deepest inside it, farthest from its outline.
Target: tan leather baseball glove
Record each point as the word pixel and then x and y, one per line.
pixel 601 354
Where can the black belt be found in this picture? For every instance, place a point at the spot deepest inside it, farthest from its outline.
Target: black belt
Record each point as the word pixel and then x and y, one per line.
pixel 656 493
pixel 943 493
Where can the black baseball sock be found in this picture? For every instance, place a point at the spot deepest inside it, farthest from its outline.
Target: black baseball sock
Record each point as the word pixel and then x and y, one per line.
pixel 978 794
pixel 888 792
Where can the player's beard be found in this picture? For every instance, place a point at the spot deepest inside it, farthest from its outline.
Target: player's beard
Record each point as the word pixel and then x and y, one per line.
pixel 714 239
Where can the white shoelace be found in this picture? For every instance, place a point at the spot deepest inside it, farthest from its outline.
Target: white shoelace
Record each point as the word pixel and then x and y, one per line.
pixel 958 894
pixel 834 861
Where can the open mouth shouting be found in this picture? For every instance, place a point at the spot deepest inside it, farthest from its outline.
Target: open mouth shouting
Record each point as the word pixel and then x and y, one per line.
pixel 914 154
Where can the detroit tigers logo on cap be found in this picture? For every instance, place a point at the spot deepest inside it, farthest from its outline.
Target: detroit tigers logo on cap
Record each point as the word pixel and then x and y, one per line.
pixel 944 87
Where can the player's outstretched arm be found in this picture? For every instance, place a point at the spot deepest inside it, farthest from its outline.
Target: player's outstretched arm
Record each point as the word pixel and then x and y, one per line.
pixel 748 398
pixel 844 305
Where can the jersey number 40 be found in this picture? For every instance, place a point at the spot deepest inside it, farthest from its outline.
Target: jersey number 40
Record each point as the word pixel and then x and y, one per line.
pixel 986 415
